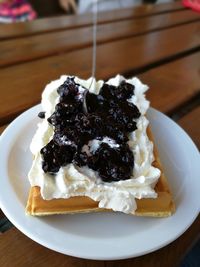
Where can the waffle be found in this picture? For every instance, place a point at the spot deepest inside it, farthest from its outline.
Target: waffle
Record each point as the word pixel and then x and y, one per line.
pixel 162 206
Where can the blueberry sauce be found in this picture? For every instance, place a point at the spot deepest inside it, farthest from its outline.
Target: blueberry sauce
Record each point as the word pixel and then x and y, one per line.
pixel 81 116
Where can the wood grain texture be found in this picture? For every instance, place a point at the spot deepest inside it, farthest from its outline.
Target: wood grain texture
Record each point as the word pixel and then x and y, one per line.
pixel 25 82
pixel 71 22
pixel 25 252
pixel 34 47
pixel 173 84
pixel 18 250
pixel 190 123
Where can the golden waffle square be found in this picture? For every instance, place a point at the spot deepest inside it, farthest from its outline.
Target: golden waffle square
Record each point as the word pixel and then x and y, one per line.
pixel 162 206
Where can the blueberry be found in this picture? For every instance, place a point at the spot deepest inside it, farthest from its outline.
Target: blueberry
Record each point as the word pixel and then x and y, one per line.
pixel 131 110
pixel 50 163
pixel 68 89
pixel 125 90
pixel 127 156
pixel 80 159
pixel 41 115
pixel 131 126
pixel 95 103
pixel 107 91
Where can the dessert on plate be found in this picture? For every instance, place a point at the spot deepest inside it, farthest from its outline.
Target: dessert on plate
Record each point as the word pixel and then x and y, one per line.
pixel 94 151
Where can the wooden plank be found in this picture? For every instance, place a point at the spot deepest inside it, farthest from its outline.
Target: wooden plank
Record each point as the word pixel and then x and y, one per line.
pixel 22 85
pixel 173 84
pixel 34 47
pixel 190 122
pixel 23 251
pixel 69 22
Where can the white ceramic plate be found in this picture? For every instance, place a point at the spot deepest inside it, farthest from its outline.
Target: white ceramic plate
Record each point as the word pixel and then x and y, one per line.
pixel 102 236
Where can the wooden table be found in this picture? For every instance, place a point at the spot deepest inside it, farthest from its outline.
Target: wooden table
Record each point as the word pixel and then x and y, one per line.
pixel 158 43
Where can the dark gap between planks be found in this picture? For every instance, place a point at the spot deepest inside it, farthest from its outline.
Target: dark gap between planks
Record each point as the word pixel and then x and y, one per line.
pixel 185 108
pixel 158 63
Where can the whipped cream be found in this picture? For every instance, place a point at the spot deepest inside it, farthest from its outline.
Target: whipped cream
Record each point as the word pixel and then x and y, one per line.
pixel 94 144
pixel 81 181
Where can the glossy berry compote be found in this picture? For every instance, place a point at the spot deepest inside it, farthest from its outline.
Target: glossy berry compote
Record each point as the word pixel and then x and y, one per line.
pixel 92 130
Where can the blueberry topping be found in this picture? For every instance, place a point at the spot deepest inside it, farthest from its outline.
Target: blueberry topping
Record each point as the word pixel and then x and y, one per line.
pixel 123 92
pixel 120 165
pixel 55 156
pixel 80 117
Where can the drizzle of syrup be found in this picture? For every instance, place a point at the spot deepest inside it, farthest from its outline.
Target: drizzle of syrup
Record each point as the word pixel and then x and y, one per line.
pixel 94 33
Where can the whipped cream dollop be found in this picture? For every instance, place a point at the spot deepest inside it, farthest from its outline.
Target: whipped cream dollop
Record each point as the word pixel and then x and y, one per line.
pixel 72 180
pixel 94 144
